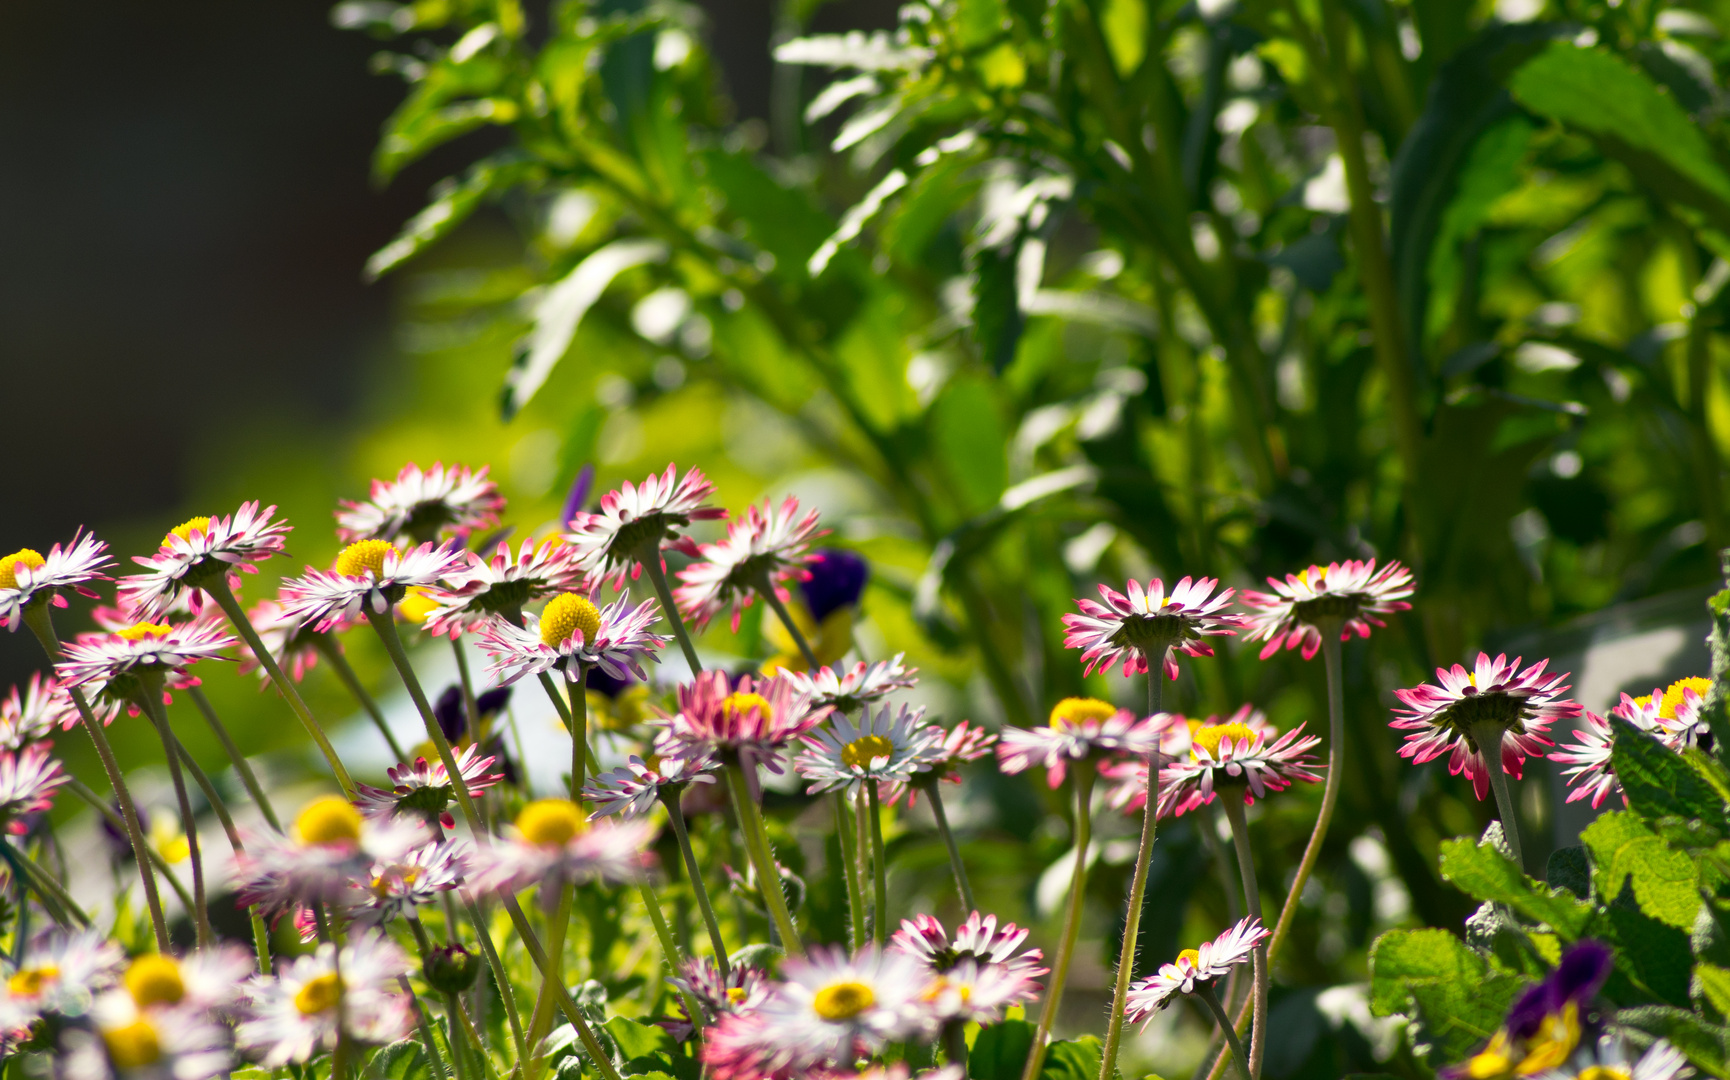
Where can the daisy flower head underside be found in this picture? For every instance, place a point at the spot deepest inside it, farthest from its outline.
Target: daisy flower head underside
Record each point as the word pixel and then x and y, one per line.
pixel 1353 594
pixel 197 552
pixel 750 725
pixel 979 939
pixel 633 788
pixel 634 518
pixel 27 576
pixel 329 847
pixel 859 686
pixel 552 844
pixel 1235 757
pixel 125 663
pixel 290 640
pixel 766 547
pixel 421 503
pixel 481 588
pixel 1194 968
pixel 1497 702
pixel 886 747
pixel 572 635
pixel 299 1012
pixel 29 779
pixel 1140 623
pixel 33 714
pixel 1081 729
pixel 423 788
pixel 1176 742
pixel 371 574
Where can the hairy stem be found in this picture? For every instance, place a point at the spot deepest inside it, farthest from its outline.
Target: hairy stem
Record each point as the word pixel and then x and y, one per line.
pixel 1233 804
pixel 1083 781
pixel 150 700
pixel 756 837
pixel 1488 736
pixel 650 558
pixel 766 589
pixel 676 817
pixel 1204 991
pixel 880 868
pixel 962 887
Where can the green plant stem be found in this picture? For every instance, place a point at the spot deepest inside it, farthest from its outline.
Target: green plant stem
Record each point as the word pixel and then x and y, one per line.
pixel 260 940
pixel 676 817
pixel 766 589
pixel 756 837
pixel 224 596
pixel 426 1033
pixel 1204 991
pixel 552 972
pixel 1488 736
pixel 241 767
pixel 41 623
pixel 507 995
pixel 95 801
pixel 962 887
pixel 260 937
pixel 46 887
pixel 345 673
pixel 650 558
pixel 669 948
pixel 879 867
pixel 954 1040
pixel 150 700
pixel 1083 781
pixel 579 733
pixel 1232 802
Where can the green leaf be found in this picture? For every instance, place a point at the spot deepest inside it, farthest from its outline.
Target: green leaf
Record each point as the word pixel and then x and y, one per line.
pixel 968 434
pixel 1703 1043
pixel 1655 958
pixel 1624 849
pixel 1715 983
pixel 1124 24
pixel 1658 782
pixel 997 315
pixel 1483 872
pixel 638 1040
pixel 1453 993
pixel 1076 1059
pixel 398 1061
pixel 1569 868
pixel 453 202
pixel 1000 1051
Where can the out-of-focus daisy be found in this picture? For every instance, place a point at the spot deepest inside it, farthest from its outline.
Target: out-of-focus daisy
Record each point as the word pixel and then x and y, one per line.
pixel 292 641
pixel 1544 1032
pixel 823 607
pixel 768 546
pixel 1129 775
pixel 632 789
pixel 329 845
pixel 1081 729
pixel 123 662
pixel 1495 699
pixel 481 588
pixel 420 503
pixel 884 748
pixel 423 788
pixel 942 758
pixel 197 552
pixel 750 725
pixel 33 715
pixel 638 518
pixel 28 780
pixel 373 573
pixel 125 1041
pixel 1146 622
pixel 553 845
pixel 209 978
pixel 62 973
pixel 971 992
pixel 1235 760
pixel 1592 774
pixel 26 576
pixel 859 687
pixel 1676 714
pixel 296 1014
pixel 741 991
pixel 978 940
pixel 572 635
pixel 397 887
pixel 1194 968
pixel 1353 594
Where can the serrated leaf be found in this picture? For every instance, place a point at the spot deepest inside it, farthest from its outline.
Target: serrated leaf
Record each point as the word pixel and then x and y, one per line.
pixel 1454 994
pixel 1656 956
pixel 638 1040
pixel 1072 1059
pixel 1484 872
pixel 1658 782
pixel 1000 1051
pixel 1703 1043
pixel 1624 849
pixel 1715 983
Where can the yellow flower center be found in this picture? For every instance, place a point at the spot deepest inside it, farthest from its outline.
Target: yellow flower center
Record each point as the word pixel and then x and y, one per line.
pixel 843 1001
pixel 735 994
pixel 551 822
pixel 185 529
pixel 30 981
pixel 319 995
pixel 1077 710
pixel 861 751
pixel 133 1046
pixel 1554 1043
pixel 1210 736
pixel 357 558
pixel 1672 699
pixel 1192 955
pixel 417 604
pixel 1642 701
pixel 329 819
pixel 1605 1072
pixel 140 631
pixel 567 613
pixel 1495 1061
pixel 9 566
pixel 154 979
pixel 737 705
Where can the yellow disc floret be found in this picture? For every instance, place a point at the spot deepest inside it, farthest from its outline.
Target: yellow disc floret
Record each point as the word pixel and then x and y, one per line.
pixel 1192 955
pixel 843 1001
pixel 567 613
pixel 329 819
pixel 742 704
pixel 133 1046
pixel 417 604
pixel 1675 692
pixel 319 995
pixel 185 529
pixel 140 631
pixel 1605 1072
pixel 9 566
pixel 1554 1042
pixel 1079 710
pixel 1209 737
pixel 551 822
pixel 1495 1060
pixel 30 981
pixel 735 994
pixel 861 751
pixel 357 558
pixel 154 979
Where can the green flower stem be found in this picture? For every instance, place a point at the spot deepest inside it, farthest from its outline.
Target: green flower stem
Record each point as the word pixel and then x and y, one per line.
pixel 879 868
pixel 260 937
pixel 247 777
pixel 585 1034
pixel 51 891
pixel 553 971
pixel 1211 1000
pixel 41 622
pixel 650 559
pixel 1138 883
pixel 962 888
pixel 954 1040
pixel 579 733
pixel 426 1033
pixel 224 596
pixel 95 801
pixel 345 673
pixel 1488 736
pixel 669 949
pixel 850 869
pixel 260 940
pixel 757 847
pixel 1207 823
pixel 150 700
pixel 676 817
pixel 766 589
pixel 506 994
pixel 457 1063
pixel 1233 803
pixel 1083 781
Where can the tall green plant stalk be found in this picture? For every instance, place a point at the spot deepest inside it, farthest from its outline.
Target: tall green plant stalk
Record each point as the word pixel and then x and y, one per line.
pixel 1488 736
pixel 1211 1000
pixel 149 699
pixel 962 887
pixel 848 839
pixel 1232 801
pixel 669 948
pixel 260 937
pixel 579 733
pixel 879 867
pixel 650 558
pixel 676 818
pixel 766 589
pixel 1083 776
pixel 756 837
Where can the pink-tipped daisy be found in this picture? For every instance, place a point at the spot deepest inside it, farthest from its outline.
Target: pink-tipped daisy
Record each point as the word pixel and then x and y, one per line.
pixel 27 577
pixel 197 552
pixel 741 991
pixel 552 845
pixel 396 887
pixel 62 973
pixel 329 846
pixel 767 547
pixel 206 979
pixel 423 789
pixel 632 789
pixel 1146 622
pixel 979 940
pixel 1129 775
pixel 368 573
pixel 420 503
pixel 299 1012
pixel 1352 594
pixel 29 779
pixel 860 686
pixel 1678 713
pixel 1235 760
pixel 1081 729
pixel 635 518
pixel 1195 968
pixel 1496 698
pixel 482 588
pixel 125 1042
pixel 975 993
pixel 942 759
pixel 884 748
pixel 32 716
pixel 572 635
pixel 1592 774
pixel 125 663
pixel 750 725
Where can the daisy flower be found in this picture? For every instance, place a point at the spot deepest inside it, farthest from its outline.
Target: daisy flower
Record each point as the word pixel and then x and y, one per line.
pixel 29 779
pixel 397 887
pixel 210 978
pixel 942 758
pixel 979 940
pixel 1592 774
pixel 1496 697
pixel 159 1044
pixel 1194 968
pixel 368 572
pixel 740 992
pixel 296 1014
pixel 329 845
pixel 1678 712
pixel 62 974
pixel 766 548
pixel 28 717
pixel 862 685
pixel 610 541
pixel 291 641
pixel 482 588
pixel 633 788
pixel 1081 729
pixel 885 748
pixel 1131 626
pixel 423 789
pixel 971 992
pixel 420 503
pixel 1234 756
pixel 121 663
pixel 26 576
pixel 752 725
pixel 1129 776
pixel 572 635
pixel 197 552
pixel 1352 593
pixel 553 845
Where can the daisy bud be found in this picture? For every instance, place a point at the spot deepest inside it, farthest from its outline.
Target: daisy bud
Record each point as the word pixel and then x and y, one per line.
pixel 451 969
